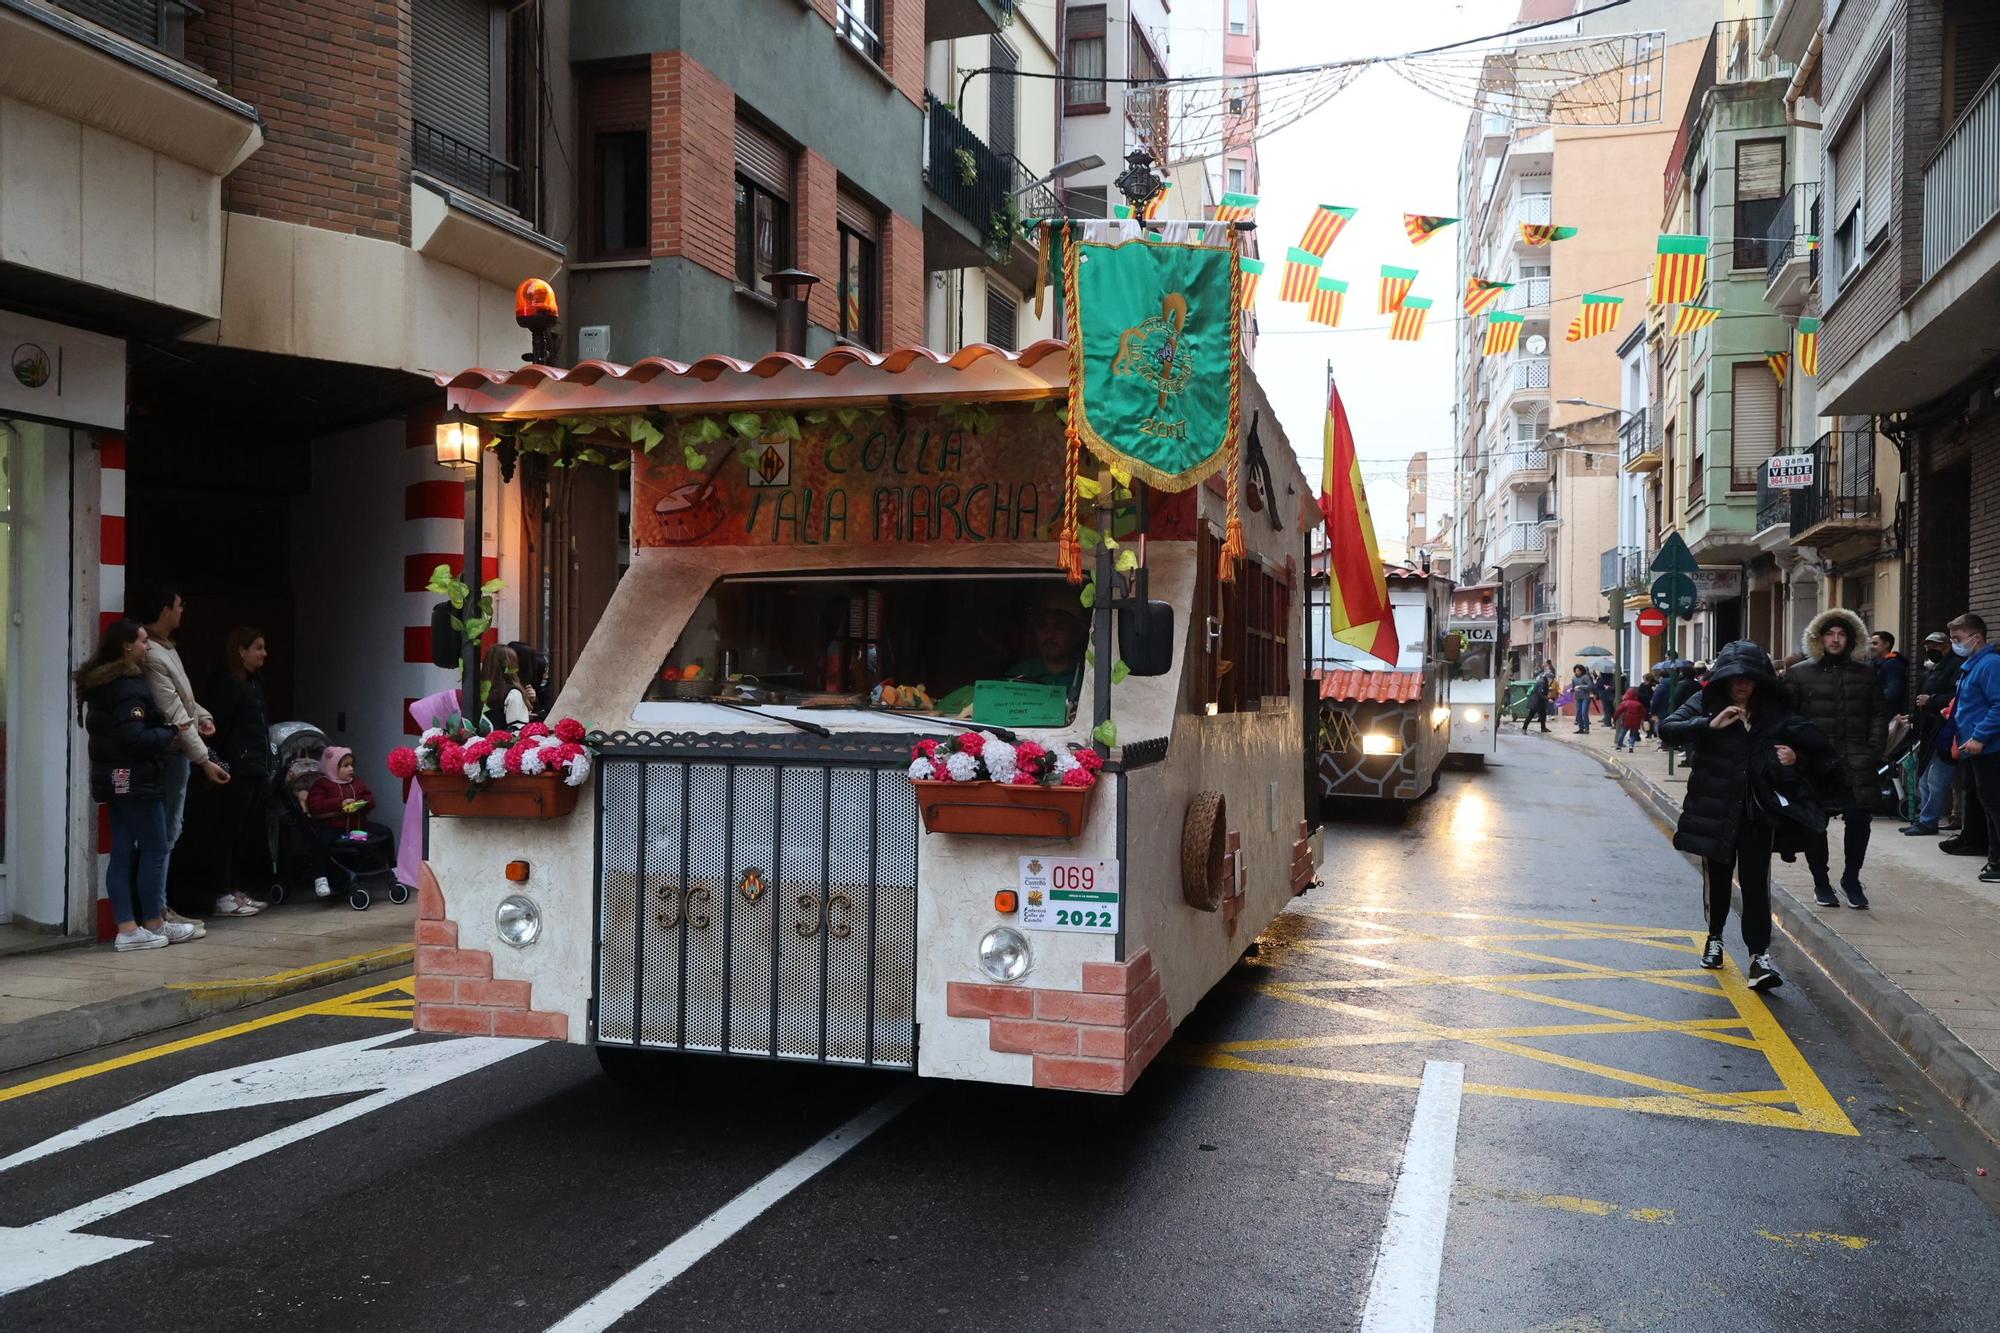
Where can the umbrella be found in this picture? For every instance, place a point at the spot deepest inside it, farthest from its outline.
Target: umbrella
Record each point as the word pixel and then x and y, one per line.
pixel 1592 650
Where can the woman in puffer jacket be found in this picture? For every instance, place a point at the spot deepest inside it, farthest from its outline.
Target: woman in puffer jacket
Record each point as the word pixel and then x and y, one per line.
pixel 1759 784
pixel 129 737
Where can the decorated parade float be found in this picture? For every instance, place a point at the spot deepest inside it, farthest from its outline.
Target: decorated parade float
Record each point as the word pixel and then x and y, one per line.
pixel 950 716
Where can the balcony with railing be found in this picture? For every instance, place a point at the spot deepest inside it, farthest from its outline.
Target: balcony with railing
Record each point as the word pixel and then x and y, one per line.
pixel 971 183
pixel 1518 464
pixel 444 156
pixel 1545 510
pixel 1529 294
pixel 1622 569
pixel 1734 56
pixel 1542 603
pixel 965 18
pixel 1519 545
pixel 1962 180
pixel 1777 512
pixel 1522 374
pixel 1533 208
pixel 1842 500
pixel 1639 442
pixel 1791 255
pixel 160 24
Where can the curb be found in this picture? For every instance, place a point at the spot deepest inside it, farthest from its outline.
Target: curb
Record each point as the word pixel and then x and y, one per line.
pixel 1959 1073
pixel 86 1027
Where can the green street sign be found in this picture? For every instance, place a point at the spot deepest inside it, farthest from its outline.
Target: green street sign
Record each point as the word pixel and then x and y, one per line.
pixel 1675 594
pixel 1674 557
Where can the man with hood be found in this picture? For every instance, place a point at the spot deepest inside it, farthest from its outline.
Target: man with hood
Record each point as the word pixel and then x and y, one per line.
pixel 1843 698
pixel 1755 787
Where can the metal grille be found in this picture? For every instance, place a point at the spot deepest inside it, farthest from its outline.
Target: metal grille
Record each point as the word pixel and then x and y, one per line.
pixel 768 908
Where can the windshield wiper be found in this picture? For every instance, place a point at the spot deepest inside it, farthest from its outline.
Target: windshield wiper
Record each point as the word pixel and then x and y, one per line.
pixel 948 725
pixel 757 710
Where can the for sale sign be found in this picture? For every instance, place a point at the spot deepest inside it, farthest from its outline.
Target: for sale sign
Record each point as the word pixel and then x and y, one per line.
pixel 1789 472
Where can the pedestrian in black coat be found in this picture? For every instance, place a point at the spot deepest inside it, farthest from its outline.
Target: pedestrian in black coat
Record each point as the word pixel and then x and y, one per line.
pixel 1760 777
pixel 242 744
pixel 1842 696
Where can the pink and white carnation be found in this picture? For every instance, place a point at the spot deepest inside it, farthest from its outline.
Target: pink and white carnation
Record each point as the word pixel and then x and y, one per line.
pixel 999 757
pixel 496 763
pixel 920 770
pixel 962 767
pixel 577 771
pixel 531 760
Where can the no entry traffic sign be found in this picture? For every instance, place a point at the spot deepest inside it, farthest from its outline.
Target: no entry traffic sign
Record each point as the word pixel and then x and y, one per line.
pixel 1651 621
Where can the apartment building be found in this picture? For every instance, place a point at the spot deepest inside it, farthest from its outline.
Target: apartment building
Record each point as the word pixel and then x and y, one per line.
pixel 1538 428
pixel 1909 266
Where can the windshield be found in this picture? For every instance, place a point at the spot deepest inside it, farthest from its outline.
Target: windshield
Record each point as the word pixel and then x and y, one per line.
pixel 1000 648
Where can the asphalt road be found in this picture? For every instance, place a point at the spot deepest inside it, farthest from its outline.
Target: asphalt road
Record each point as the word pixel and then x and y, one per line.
pixel 1638 1145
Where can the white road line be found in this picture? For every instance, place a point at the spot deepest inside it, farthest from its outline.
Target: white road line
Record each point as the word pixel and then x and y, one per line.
pixel 629 1292
pixel 1402 1298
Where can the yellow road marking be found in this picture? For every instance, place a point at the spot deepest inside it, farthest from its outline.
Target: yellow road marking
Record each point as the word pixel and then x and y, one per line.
pixel 348 1005
pixel 1791 1240
pixel 387 957
pixel 1569 1203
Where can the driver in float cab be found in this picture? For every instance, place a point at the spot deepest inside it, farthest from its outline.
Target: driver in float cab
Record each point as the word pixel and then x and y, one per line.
pixel 1056 620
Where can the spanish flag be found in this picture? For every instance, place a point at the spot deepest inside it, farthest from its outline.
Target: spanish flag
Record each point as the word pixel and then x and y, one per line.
pixel 1356 586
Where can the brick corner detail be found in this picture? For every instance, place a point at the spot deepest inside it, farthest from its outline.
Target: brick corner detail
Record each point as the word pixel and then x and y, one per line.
pixel 1098 1039
pixel 456 990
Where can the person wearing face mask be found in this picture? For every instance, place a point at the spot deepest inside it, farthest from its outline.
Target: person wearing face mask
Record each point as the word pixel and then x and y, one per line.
pixel 1935 765
pixel 1755 788
pixel 1843 698
pixel 1976 718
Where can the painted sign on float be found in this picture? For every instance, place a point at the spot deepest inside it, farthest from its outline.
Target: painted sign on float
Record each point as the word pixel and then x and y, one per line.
pixel 889 477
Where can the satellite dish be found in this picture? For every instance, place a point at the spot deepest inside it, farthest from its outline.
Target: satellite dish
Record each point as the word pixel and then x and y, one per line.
pixel 1537 344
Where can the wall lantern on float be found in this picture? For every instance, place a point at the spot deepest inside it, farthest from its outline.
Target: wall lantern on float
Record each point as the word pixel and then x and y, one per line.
pixel 458 445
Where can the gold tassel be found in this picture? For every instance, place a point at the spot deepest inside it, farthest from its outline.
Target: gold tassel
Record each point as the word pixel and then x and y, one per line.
pixel 1041 266
pixel 1069 549
pixel 1232 541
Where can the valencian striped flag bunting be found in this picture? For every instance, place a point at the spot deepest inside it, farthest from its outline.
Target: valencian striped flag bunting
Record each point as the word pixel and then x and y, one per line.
pixel 1329 296
pixel 1150 210
pixel 1301 272
pixel 1681 270
pixel 1808 346
pixel 1503 332
pixel 1123 212
pixel 1599 315
pixel 1545 233
pixel 1236 207
pixel 1253 273
pixel 1779 362
pixel 1692 317
pixel 1422 226
pixel 1409 323
pixel 1480 293
pixel 1396 284
pixel 1356 584
pixel 1327 222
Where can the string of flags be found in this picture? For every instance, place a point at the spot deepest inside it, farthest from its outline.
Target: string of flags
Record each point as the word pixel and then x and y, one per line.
pixel 1680 276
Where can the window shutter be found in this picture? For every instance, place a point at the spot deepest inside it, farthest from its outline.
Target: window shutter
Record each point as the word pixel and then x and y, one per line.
pixel 451 74
pixel 763 159
pixel 856 214
pixel 1975 54
pixel 1760 169
pixel 1086 21
pixel 1845 159
pixel 1753 419
pixel 1001 309
pixel 1001 117
pixel 1878 172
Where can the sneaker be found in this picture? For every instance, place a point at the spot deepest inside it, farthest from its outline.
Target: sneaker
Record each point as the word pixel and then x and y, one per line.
pixel 177 932
pixel 1920 831
pixel 235 904
pixel 196 929
pixel 322 889
pixel 1856 898
pixel 1990 872
pixel 1960 847
pixel 1762 976
pixel 1711 953
pixel 1823 895
pixel 139 938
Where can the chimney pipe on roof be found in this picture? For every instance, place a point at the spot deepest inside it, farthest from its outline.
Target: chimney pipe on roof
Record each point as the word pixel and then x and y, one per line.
pixel 790 285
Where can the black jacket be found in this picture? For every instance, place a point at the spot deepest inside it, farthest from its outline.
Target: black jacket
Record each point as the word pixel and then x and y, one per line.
pixel 128 736
pixel 242 737
pixel 1892 673
pixel 1736 774
pixel 1939 685
pixel 1843 698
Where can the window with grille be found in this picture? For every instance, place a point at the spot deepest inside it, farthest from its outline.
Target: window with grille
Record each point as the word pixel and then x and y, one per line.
pixel 860 23
pixel 1241 634
pixel 1084 57
pixel 764 171
pixel 1002 311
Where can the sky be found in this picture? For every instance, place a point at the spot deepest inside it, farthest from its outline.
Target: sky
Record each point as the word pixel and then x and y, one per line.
pixel 1386 148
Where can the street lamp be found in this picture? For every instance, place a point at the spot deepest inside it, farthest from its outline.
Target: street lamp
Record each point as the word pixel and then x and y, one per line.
pixel 1074 166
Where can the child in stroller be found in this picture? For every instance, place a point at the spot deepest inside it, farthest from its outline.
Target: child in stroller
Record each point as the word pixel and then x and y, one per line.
pixel 356 853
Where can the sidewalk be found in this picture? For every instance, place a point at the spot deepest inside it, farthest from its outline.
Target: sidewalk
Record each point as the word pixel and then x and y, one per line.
pixel 1924 963
pixel 72 997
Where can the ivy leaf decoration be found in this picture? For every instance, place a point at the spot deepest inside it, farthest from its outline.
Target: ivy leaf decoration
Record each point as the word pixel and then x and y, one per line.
pixel 847 416
pixel 707 431
pixel 1087 598
pixel 1088 489
pixel 695 459
pixel 1105 732
pixel 748 458
pixel 746 424
pixel 1121 476
pixel 1128 561
pixel 1119 671
pixel 644 433
pixel 1087 538
pixel 817 418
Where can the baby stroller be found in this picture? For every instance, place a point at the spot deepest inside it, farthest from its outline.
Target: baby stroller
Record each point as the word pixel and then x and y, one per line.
pixel 356 869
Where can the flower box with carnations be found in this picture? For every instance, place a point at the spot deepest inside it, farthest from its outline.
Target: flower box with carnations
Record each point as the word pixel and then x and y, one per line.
pixel 977 782
pixel 533 773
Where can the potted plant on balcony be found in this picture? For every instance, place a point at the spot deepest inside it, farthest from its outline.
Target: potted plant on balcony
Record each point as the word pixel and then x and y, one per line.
pixel 978 783
pixel 533 773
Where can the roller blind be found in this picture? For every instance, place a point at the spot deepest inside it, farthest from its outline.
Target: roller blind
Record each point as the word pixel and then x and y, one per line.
pixel 1975 54
pixel 856 214
pixel 1002 118
pixel 763 159
pixel 1878 173
pixel 1845 159
pixel 452 83
pixel 1760 169
pixel 1753 420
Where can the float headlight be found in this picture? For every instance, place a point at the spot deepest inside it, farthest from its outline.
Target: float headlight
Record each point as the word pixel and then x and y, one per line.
pixel 517 920
pixel 1474 715
pixel 1381 742
pixel 1004 954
